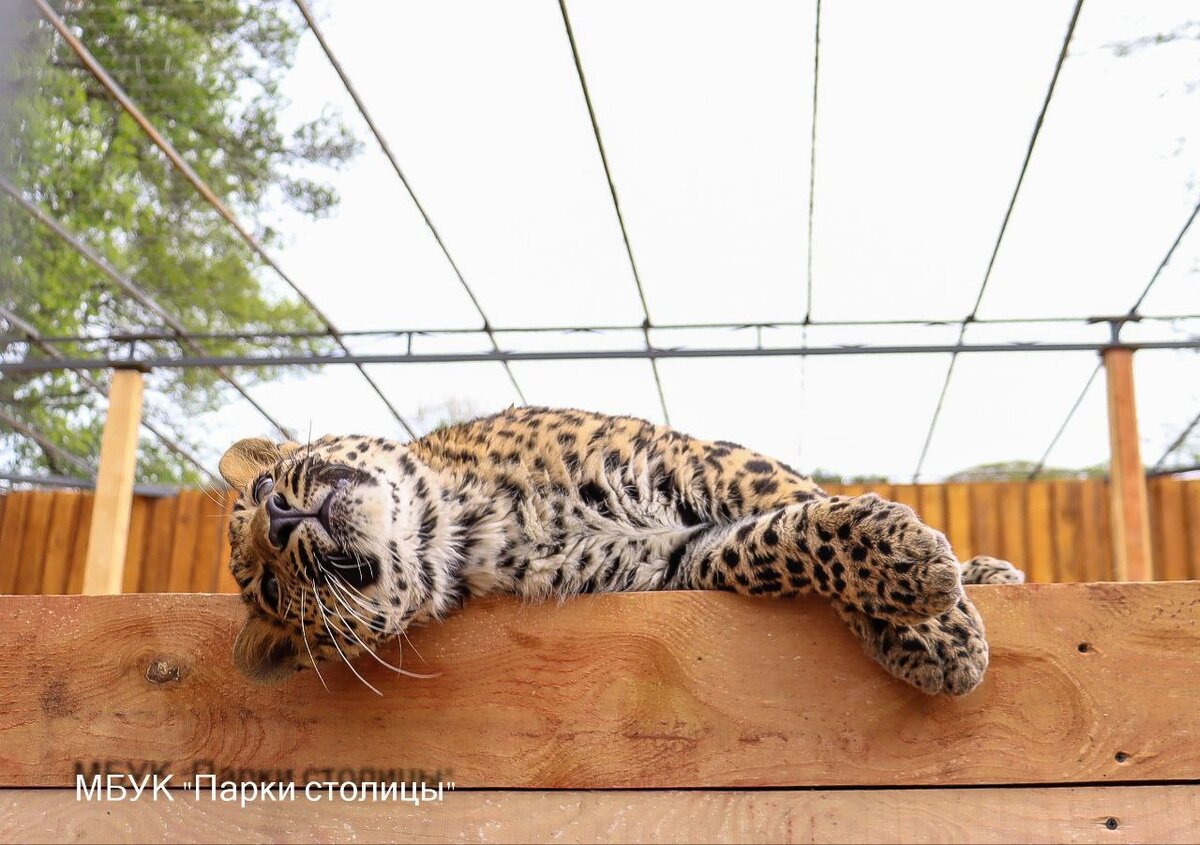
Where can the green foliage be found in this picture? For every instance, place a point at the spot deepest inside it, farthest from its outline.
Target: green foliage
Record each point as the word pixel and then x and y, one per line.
pixel 824 476
pixel 1020 470
pixel 207 74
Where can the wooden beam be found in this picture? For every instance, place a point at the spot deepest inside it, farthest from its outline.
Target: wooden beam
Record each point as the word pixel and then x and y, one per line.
pixel 1109 814
pixel 1127 476
pixel 1088 683
pixel 104 570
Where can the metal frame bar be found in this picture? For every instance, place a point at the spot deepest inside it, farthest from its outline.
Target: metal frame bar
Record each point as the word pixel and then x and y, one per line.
pixel 157 491
pixel 29 366
pixel 35 338
pixel 125 337
pixel 102 76
pixel 387 151
pixel 612 190
pixel 1012 202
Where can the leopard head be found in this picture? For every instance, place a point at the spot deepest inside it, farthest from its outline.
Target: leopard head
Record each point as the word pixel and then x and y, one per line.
pixel 324 548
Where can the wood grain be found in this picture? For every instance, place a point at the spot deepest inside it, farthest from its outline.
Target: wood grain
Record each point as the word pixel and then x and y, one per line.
pixel 1163 814
pixel 1089 683
pixel 1127 487
pixel 103 573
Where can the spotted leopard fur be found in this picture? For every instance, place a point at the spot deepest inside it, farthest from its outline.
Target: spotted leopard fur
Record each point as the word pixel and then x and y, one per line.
pixel 348 540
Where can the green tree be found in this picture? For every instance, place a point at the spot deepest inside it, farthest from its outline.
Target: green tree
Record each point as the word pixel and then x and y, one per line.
pixel 1020 470
pixel 207 73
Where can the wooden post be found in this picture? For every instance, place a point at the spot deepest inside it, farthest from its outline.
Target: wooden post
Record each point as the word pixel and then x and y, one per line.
pixel 109 535
pixel 1130 515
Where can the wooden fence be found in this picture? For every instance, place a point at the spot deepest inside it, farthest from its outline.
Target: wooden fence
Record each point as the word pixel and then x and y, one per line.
pixel 1057 531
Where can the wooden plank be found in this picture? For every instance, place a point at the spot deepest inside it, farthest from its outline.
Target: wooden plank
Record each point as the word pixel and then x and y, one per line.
pixel 79 554
pixel 156 563
pixel 33 543
pixel 1109 814
pixel 60 542
pixel 102 573
pixel 958 520
pixel 1088 683
pixel 1171 558
pixel 135 549
pixel 12 532
pixel 183 543
pixel 1129 511
pixel 1040 528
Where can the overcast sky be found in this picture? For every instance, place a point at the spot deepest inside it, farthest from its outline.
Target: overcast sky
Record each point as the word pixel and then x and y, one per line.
pixel 925 112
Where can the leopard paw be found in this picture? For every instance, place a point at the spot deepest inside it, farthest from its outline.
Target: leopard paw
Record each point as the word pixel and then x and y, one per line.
pixel 945 654
pixel 991 570
pixel 901 570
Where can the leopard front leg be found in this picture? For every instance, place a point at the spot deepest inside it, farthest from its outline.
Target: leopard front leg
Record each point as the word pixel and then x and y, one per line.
pixel 874 556
pixel 947 653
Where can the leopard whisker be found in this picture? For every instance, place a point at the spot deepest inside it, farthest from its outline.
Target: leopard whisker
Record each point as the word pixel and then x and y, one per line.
pixel 343 598
pixel 334 636
pixel 304 636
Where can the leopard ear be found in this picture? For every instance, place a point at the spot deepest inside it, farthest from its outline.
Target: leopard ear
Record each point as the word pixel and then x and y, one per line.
pixel 247 459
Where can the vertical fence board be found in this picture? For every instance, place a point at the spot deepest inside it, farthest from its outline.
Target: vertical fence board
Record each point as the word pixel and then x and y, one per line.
pixel 985 523
pixel 1095 560
pixel 1065 503
pixel 225 580
pixel 79 549
pixel 60 542
pixel 1040 563
pixel 1192 489
pixel 33 546
pixel 135 551
pixel 932 498
pixel 1012 539
pixel 958 520
pixel 12 534
pixel 1169 516
pixel 157 561
pixel 907 494
pixel 210 534
pixel 183 544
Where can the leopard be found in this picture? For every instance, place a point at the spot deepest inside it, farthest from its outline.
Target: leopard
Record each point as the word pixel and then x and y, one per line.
pixel 341 544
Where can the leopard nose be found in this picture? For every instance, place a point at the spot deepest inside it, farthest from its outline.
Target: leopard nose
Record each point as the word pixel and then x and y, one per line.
pixel 282 520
